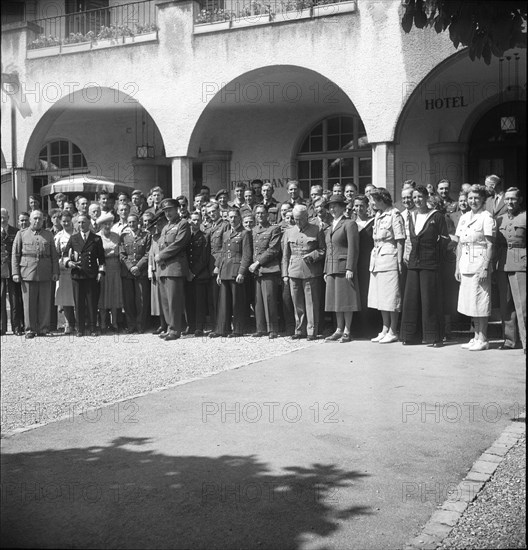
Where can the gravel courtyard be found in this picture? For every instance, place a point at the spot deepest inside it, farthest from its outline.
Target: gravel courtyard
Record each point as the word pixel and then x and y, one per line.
pixel 49 378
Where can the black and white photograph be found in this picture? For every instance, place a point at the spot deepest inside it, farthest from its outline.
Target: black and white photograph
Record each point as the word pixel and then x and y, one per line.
pixel 263 274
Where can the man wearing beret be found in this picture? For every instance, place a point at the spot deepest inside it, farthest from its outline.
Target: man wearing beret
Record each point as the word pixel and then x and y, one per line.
pixel 134 249
pixel 222 198
pixel 172 267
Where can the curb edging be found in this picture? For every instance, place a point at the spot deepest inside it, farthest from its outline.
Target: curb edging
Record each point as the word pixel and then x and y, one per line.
pixel 444 519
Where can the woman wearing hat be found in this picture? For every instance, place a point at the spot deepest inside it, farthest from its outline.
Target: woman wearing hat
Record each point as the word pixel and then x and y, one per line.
pixel 342 250
pixel 111 292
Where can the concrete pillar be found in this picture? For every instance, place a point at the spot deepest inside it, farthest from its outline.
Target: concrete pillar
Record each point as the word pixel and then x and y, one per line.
pixel 448 161
pixel 181 176
pixel 383 166
pixel 216 169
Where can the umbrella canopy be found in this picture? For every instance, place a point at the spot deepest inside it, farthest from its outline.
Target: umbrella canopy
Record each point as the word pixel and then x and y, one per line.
pixel 84 183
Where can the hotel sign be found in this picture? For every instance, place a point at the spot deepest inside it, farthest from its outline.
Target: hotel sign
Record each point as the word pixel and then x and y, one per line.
pixel 445 103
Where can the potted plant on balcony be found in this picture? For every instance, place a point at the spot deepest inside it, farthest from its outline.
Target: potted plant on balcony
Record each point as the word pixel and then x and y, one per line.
pixel 43 46
pixel 146 33
pixel 324 8
pixel 212 20
pixel 77 42
pixel 292 10
pixel 254 13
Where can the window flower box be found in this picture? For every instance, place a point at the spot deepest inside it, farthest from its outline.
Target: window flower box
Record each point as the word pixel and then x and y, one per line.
pixel 100 44
pixel 251 20
pixel 76 47
pixel 43 52
pixel 201 28
pixel 326 10
pixel 144 37
pixel 293 15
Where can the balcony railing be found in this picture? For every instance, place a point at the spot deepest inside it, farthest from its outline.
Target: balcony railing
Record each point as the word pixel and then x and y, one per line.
pixel 236 13
pixel 116 23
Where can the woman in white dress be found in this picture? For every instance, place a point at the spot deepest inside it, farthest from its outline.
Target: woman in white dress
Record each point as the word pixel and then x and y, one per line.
pixel 111 291
pixel 476 233
pixel 64 291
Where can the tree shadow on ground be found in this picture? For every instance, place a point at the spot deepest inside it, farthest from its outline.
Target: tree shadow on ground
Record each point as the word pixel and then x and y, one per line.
pixel 123 496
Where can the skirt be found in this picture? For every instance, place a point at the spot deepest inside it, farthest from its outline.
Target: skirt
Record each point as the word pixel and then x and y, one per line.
pixel 384 291
pixel 64 290
pixel 111 290
pixel 474 298
pixel 342 295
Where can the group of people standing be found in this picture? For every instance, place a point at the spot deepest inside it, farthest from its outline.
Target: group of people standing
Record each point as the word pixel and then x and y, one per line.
pixel 204 269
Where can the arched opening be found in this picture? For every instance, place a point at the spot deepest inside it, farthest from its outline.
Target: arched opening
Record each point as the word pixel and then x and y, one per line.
pixel 277 123
pixel 497 144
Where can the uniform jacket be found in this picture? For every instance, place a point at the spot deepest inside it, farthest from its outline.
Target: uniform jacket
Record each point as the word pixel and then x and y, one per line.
pixel 342 248
pixel 429 245
pixel 472 233
pixel 511 242
pixel 388 229
pixel 216 234
pixel 199 255
pixel 296 244
pixel 236 255
pixel 267 248
pixel 173 243
pixel 91 254
pixel 496 209
pixel 273 209
pixel 134 251
pixel 34 256
pixel 7 249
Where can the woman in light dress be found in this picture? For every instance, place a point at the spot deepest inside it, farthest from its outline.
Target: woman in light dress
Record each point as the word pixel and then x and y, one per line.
pixel 111 292
pixel 64 291
pixel 476 233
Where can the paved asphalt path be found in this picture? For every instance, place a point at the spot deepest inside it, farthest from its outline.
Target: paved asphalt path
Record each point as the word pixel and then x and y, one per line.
pixel 333 446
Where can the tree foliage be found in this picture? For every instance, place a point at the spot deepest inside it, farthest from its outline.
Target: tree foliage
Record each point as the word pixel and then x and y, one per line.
pixel 487 28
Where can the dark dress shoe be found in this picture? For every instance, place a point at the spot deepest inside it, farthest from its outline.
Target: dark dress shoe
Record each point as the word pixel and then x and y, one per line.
pixel 257 335
pixel 215 335
pixel 172 336
pixel 273 335
pixel 19 332
pixel 311 338
pixel 437 345
pixel 297 336
pixel 159 330
pixel 79 334
pixel 198 333
pixel 163 335
pixel 30 335
pixel 131 330
pixel 504 347
pixel 235 335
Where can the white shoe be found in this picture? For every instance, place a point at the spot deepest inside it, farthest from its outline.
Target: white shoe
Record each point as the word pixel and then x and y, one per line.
pixel 379 337
pixel 479 346
pixel 388 339
pixel 469 344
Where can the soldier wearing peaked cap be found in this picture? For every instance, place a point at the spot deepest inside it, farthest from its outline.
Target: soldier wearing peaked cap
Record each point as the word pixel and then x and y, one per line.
pixel 172 267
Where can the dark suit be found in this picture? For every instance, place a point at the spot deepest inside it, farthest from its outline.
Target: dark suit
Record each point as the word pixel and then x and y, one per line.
pixel 172 269
pixel 35 261
pixel 199 257
pixel 496 208
pixel 233 261
pixel 90 254
pixel 133 252
pixel 9 286
pixel 267 251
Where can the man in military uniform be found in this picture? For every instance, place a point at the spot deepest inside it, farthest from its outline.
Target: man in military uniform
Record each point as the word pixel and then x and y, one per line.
pixel 511 269
pixel 134 249
pixel 271 204
pixel 8 285
pixel 139 204
pixel 294 193
pixel 84 253
pixel 233 264
pixel 238 201
pixel 303 250
pixel 222 198
pixel 266 270
pixel 35 264
pixel 215 234
pixel 199 256
pixel 172 267
pixel 443 189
